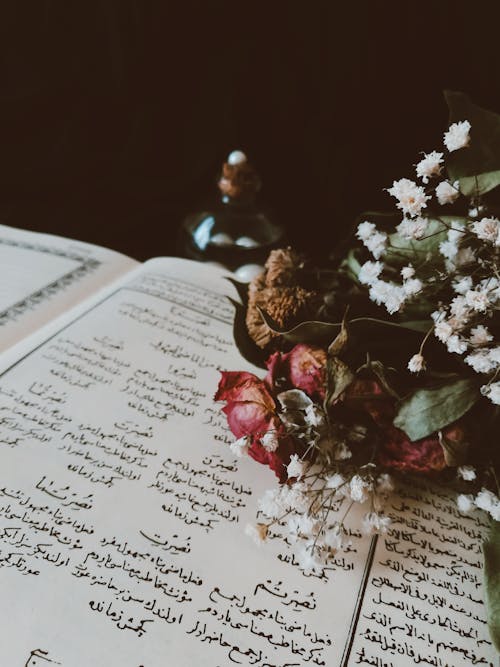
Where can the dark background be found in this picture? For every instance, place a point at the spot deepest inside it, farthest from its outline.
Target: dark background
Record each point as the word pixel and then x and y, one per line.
pixel 115 115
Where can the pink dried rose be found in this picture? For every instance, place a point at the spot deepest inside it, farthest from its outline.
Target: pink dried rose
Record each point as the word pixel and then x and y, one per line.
pixel 304 367
pixel 251 410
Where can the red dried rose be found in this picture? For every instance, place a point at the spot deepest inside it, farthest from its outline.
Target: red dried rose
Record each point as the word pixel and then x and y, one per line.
pixel 304 367
pixel 399 452
pixel 251 410
pixel 396 449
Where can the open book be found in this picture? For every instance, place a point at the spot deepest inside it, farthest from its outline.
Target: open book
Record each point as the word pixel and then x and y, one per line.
pixel 122 509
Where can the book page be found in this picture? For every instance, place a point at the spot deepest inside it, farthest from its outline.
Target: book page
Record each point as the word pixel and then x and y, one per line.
pixel 122 513
pixel 41 276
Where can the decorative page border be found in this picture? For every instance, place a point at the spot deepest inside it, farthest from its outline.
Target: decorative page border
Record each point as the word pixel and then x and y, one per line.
pixel 86 265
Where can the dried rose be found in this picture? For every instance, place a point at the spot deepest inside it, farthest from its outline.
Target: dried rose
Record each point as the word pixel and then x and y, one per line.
pixel 277 292
pixel 251 410
pixel 304 367
pixel 399 453
pixel 396 450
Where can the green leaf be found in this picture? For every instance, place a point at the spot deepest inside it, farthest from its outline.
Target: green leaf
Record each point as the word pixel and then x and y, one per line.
pixel 417 325
pixel 482 156
pixel 350 265
pixel 428 410
pixel 471 186
pixel 491 552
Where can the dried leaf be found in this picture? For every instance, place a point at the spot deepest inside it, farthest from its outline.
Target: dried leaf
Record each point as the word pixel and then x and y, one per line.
pixel 241 288
pixel 294 399
pixel 247 348
pixel 340 341
pixel 339 377
pixel 379 370
pixel 305 332
pixel 455 453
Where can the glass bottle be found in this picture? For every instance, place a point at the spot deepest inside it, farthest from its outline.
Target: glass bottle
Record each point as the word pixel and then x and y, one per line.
pixel 236 232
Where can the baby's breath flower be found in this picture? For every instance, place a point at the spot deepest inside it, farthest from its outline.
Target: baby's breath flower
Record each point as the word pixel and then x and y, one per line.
pixel 296 467
pixel 303 524
pixel 492 391
pixel 429 165
pixel 270 441
pixel 480 361
pixel 416 363
pixel 342 452
pixel 309 559
pixel 464 257
pixel 457 136
pixel 358 488
pixel 385 485
pixel 257 531
pixel 411 197
pixel 369 272
pixel 334 538
pixel 365 230
pixel 487 501
pixel 412 286
pixel 240 446
pixel 447 193
pixel 270 504
pixel 487 229
pixel 390 295
pixel 494 355
pixel 313 416
pixel 462 285
pixel 377 244
pixel 412 228
pixel 456 344
pixel 465 503
pixel 478 299
pixel 407 272
pixel 466 473
pixel 460 310
pixel 334 481
pixel 375 523
pixel 443 331
pixel 480 335
pixel 294 497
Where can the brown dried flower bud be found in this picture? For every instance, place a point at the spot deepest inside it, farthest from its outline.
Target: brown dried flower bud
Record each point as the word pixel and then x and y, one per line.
pixel 286 305
pixel 282 267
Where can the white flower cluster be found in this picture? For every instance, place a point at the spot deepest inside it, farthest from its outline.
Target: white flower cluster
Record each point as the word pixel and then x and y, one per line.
pixel 463 278
pixel 307 514
pixel 388 293
pixel 462 326
pixel 485 500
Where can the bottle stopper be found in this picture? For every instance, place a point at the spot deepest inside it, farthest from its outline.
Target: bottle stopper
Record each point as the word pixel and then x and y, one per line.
pixel 238 179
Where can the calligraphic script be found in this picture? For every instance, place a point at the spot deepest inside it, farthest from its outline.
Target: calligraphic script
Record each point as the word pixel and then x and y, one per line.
pixel 122 514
